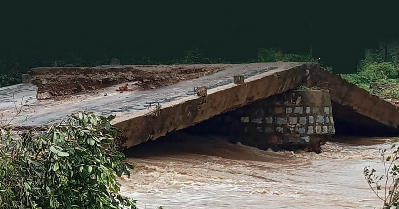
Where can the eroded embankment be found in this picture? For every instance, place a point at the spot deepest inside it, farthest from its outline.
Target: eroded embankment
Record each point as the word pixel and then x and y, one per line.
pixel 63 81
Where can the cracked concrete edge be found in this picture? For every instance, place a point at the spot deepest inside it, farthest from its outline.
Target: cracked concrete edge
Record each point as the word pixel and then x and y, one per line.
pixel 142 126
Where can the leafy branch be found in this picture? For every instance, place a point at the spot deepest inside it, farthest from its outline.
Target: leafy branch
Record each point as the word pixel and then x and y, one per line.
pixel 73 164
pixel 388 182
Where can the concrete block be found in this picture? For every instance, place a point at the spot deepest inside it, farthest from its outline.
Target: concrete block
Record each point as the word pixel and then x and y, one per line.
pixel 302 120
pixel 288 110
pixel 257 120
pixel 327 110
pixel 238 79
pixel 202 91
pixel 307 110
pixel 306 139
pixel 293 120
pixel 320 119
pixel 259 128
pixel 327 119
pixel 298 110
pixel 279 129
pixel 244 119
pixel 269 120
pixel 310 130
pixel 315 110
pixel 311 119
pixel 300 130
pixel 325 130
pixel 281 120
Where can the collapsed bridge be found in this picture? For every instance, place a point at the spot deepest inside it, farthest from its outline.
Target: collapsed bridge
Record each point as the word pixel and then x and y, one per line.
pixel 151 101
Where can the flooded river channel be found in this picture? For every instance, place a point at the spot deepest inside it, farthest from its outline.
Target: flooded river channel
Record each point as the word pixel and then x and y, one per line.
pixel 188 171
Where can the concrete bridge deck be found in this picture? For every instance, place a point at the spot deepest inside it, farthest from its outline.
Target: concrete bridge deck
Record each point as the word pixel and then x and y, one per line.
pixel 137 114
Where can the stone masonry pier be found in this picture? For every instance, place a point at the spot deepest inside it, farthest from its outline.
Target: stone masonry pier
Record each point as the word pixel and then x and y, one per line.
pixel 148 114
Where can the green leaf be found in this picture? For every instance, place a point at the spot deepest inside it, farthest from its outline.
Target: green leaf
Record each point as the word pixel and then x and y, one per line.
pixel 107 126
pixel 62 154
pixel 89 169
pixel 91 141
pixel 56 166
pixel 85 119
pixel 53 149
pixel 27 186
pixel 111 117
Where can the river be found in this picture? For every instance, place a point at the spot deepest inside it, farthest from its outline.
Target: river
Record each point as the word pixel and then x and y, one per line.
pixel 209 172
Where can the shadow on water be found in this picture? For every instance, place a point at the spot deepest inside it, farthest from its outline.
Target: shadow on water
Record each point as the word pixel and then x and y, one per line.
pixel 184 144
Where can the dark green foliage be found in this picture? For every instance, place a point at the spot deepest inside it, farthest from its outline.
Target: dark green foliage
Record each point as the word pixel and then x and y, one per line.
pixel 10 79
pixel 196 56
pixel 72 165
pixel 378 67
pixel 384 72
pixel 275 55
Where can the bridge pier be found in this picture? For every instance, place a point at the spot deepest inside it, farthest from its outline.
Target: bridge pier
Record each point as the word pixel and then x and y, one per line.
pixel 291 120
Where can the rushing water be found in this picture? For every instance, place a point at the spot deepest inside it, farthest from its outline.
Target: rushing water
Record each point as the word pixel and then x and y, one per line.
pixel 208 172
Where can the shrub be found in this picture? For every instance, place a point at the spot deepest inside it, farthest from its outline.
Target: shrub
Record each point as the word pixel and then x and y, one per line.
pixel 275 55
pixel 10 79
pixel 72 165
pixel 376 72
pixel 386 186
pixel 367 73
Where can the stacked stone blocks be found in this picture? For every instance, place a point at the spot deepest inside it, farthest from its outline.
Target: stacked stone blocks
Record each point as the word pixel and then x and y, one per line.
pixel 294 117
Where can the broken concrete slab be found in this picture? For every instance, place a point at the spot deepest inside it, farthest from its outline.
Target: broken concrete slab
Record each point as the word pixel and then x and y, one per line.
pixel 149 114
pixel 353 104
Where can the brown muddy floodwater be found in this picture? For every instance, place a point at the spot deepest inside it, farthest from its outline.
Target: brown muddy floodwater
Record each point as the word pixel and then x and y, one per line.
pixel 188 171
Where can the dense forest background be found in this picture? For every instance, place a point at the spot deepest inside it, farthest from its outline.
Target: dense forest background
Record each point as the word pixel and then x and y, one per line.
pixel 163 32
